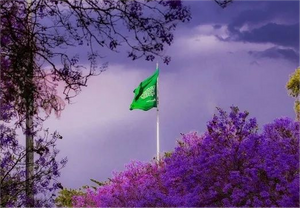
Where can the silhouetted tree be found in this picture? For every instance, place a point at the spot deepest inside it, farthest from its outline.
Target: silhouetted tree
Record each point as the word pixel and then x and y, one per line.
pixel 47 30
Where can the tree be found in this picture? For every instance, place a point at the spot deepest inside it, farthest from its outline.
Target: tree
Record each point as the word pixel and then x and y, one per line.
pixel 230 165
pixel 143 27
pixel 293 86
pixel 13 174
pixel 64 199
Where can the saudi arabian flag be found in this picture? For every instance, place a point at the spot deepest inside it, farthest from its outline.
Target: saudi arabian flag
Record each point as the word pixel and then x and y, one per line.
pixel 145 95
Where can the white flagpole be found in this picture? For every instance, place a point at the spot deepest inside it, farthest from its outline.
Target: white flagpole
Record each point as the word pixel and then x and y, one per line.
pixel 157 120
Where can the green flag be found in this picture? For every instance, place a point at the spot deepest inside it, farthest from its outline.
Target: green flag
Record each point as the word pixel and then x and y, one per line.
pixel 145 95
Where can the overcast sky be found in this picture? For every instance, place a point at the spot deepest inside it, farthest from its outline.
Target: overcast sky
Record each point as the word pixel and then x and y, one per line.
pixel 241 55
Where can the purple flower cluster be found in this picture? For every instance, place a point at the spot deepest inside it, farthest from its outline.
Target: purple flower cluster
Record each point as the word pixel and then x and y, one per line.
pixel 13 173
pixel 139 185
pixel 230 165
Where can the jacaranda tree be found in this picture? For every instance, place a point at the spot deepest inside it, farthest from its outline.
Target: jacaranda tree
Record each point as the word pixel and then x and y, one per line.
pixel 232 164
pixel 47 168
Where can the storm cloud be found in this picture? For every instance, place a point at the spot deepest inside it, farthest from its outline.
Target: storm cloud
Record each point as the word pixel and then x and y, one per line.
pixel 275 53
pixel 277 34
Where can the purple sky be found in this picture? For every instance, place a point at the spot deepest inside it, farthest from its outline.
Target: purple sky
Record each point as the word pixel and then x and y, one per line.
pixel 241 55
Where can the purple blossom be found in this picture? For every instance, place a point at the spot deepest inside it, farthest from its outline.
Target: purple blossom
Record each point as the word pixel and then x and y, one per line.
pixel 230 165
pixel 13 174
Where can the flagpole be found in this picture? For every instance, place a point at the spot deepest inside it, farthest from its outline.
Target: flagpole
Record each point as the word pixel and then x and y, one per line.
pixel 157 120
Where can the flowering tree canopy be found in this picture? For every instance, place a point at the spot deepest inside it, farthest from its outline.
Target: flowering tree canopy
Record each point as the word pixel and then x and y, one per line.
pixel 230 165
